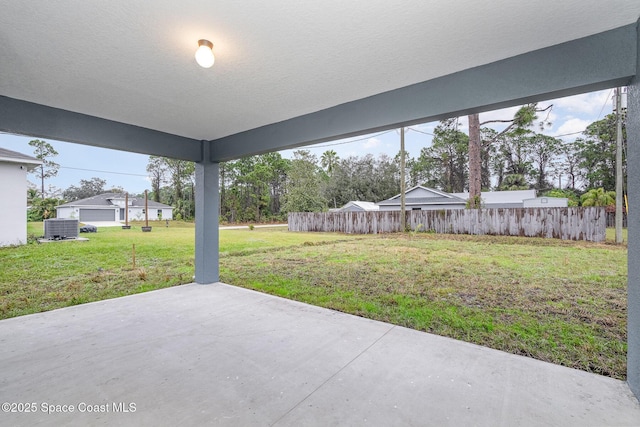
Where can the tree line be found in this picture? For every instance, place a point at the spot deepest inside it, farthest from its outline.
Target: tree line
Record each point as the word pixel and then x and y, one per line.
pixel 266 187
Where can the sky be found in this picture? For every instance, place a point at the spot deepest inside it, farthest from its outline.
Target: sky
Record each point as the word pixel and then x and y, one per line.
pixel 569 117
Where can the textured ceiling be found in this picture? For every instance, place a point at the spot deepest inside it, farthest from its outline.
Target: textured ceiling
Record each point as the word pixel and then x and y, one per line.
pixel 133 62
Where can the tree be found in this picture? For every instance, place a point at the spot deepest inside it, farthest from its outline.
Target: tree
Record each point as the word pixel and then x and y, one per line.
pixel 487 155
pixel 48 169
pixel 572 198
pixel 32 194
pixel 304 185
pixel 362 178
pixel 446 161
pixel 157 169
pixel 387 177
pixel 514 181
pixel 277 177
pixel 252 188
pixel 43 208
pixel 181 175
pixel 328 160
pixel 543 150
pixel 569 165
pixel 475 162
pixel 513 161
pixel 522 119
pixel 597 153
pixel 257 177
pixel 598 197
pixel 180 172
pixel 87 188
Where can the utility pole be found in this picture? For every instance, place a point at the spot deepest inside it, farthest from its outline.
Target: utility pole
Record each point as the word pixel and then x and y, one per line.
pixel 403 213
pixel 619 213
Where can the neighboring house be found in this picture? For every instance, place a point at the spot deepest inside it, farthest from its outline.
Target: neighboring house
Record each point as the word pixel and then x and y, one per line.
pixel 423 198
pixel 111 207
pixel 358 206
pixel 13 196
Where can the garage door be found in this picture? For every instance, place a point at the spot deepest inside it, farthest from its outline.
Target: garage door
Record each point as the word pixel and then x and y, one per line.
pixel 97 215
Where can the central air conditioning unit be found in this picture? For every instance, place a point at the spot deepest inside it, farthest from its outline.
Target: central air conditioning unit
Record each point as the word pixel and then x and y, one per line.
pixel 58 229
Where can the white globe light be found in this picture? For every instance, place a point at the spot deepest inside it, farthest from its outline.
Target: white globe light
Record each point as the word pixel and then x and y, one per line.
pixel 204 54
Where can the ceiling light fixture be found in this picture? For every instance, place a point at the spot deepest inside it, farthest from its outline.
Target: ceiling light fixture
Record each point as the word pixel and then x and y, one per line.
pixel 204 54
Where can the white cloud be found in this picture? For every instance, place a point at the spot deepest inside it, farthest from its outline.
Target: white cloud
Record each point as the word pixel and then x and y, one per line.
pixel 571 126
pixel 587 103
pixel 371 143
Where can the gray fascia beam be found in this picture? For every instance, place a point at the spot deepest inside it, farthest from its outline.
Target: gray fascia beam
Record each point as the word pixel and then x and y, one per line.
pixel 40 121
pixel 596 62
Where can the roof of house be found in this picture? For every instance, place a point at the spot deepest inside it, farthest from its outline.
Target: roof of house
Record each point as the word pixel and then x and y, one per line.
pixel 105 200
pixel 367 206
pixel 442 198
pixel 15 157
pixel 421 189
pixel 438 198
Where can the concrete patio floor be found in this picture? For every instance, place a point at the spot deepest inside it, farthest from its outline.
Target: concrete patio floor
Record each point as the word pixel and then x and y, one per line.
pixel 221 355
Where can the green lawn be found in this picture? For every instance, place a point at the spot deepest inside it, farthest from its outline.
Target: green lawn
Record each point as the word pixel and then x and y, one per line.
pixel 563 302
pixel 40 277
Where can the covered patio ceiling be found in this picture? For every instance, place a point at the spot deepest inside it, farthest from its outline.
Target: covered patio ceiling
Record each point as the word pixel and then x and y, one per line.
pixel 133 63
pixel 122 75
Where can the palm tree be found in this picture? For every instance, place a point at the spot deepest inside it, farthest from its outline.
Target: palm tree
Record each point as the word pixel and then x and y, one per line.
pixel 514 181
pixel 328 160
pixel 598 197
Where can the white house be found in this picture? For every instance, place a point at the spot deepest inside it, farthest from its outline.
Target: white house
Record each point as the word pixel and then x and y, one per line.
pixel 111 207
pixel 358 206
pixel 423 198
pixel 13 194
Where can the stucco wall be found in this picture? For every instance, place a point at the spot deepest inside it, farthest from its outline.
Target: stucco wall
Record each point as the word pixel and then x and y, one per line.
pixel 546 202
pixel 166 214
pixel 137 214
pixel 13 193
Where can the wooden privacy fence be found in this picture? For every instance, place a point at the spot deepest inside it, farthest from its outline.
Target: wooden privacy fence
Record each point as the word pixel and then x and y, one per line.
pixel 561 223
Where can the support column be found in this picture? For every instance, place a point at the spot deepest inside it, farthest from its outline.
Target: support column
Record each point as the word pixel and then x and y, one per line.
pixel 207 223
pixel 633 224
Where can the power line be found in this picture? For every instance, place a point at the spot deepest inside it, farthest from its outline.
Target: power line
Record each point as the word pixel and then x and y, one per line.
pixel 368 137
pixel 606 101
pixel 420 131
pixel 353 140
pixel 569 134
pixel 95 170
